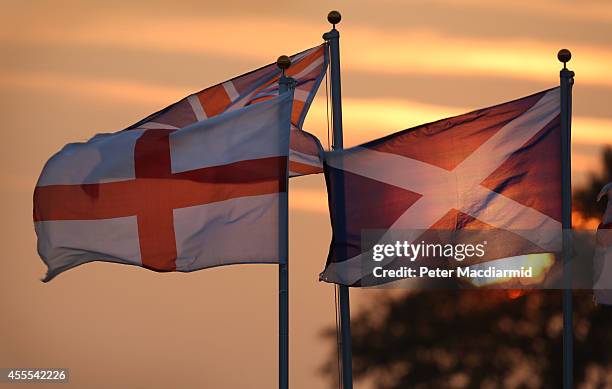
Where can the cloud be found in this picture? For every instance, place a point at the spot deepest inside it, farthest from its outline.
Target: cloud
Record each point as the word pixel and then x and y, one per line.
pixel 365 119
pixel 431 53
pixel 594 11
pixel 101 88
pixel 408 50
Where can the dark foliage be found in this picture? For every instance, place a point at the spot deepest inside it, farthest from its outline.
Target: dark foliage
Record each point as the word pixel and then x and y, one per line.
pixel 479 339
pixel 585 198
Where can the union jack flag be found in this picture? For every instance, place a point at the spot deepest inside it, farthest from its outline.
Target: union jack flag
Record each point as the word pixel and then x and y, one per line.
pixel 307 68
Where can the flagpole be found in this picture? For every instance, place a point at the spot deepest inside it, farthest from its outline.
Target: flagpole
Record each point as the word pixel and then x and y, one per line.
pixel 333 38
pixel 567 81
pixel 285 84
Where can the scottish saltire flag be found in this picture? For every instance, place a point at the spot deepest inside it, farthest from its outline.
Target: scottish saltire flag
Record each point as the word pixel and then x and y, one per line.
pixel 210 193
pixel 307 68
pixel 495 168
pixel 603 252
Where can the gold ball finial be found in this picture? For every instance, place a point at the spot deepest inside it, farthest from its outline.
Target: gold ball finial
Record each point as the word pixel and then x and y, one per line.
pixel 564 55
pixel 283 62
pixel 334 17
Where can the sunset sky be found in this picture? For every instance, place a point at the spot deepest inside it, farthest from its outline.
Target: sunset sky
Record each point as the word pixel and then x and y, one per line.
pixel 71 69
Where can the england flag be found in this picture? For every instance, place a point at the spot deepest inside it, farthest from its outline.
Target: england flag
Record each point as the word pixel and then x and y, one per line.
pixel 211 193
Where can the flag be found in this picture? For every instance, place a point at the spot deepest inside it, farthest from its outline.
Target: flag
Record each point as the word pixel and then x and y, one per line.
pixel 208 194
pixel 497 168
pixel 307 68
pixel 603 252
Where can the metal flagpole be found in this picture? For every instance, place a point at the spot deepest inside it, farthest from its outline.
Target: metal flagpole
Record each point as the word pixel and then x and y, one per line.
pixel 285 84
pixel 567 80
pixel 333 37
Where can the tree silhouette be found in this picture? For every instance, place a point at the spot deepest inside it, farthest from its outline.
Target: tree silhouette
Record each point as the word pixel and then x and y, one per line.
pixel 585 198
pixel 482 338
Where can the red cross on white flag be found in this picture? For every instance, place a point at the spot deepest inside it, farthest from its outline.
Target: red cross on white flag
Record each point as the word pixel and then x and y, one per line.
pixel 208 194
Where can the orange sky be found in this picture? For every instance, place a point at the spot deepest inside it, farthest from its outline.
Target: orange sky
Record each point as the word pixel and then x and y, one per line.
pixel 70 69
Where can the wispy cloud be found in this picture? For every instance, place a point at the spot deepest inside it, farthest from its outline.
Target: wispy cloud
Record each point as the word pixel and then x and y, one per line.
pixel 363 48
pixel 429 52
pixel 584 10
pixel 118 90
pixel 365 118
